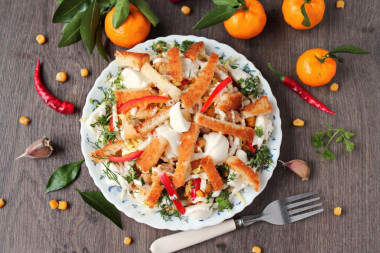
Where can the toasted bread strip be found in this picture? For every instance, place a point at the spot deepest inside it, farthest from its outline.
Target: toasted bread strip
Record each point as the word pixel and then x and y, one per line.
pixel 185 151
pixel 244 133
pixel 261 106
pixel 153 122
pixel 175 70
pixel 199 87
pixel 152 154
pixel 109 149
pixel 212 174
pixel 229 101
pixel 154 193
pixel 243 170
pixel 122 96
pixel 160 82
pixel 131 59
pixel 144 113
pixel 194 49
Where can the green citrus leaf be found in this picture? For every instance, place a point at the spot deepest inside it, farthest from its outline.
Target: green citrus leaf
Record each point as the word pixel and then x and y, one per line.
pixel 100 204
pixel 89 26
pixel 226 2
pixel 68 9
pixel 144 7
pixel 63 176
pixel 99 45
pixel 349 49
pixel 71 31
pixel 215 16
pixel 121 13
pixel 306 20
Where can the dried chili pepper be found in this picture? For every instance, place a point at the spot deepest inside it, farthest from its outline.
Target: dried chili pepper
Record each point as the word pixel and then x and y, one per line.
pixel 301 91
pixel 49 99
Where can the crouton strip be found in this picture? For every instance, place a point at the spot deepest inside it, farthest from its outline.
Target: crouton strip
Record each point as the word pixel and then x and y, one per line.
pixel 229 101
pixel 154 193
pixel 243 170
pixel 152 154
pixel 153 122
pixel 175 70
pixel 131 59
pixel 185 151
pixel 194 49
pixel 199 87
pixel 109 149
pixel 128 131
pixel 260 106
pixel 160 82
pixel 123 96
pixel 244 133
pixel 213 175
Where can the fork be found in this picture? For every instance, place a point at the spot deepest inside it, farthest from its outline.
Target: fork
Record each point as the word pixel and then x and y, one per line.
pixel 278 212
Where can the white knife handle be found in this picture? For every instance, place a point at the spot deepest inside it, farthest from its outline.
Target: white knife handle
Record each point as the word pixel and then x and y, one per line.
pixel 186 239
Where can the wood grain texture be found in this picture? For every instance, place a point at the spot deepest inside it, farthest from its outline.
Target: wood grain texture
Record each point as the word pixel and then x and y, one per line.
pixel 27 224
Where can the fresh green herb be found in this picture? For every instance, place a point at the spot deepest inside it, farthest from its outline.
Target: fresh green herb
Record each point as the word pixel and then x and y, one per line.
pixel 185 45
pixel 247 69
pixel 231 177
pixel 261 159
pixel 259 131
pixel 132 174
pixel 160 46
pixel 223 170
pixel 323 140
pixel 223 202
pixel 63 176
pixel 99 203
pixel 167 207
pixel 142 181
pixel 109 173
pixel 250 86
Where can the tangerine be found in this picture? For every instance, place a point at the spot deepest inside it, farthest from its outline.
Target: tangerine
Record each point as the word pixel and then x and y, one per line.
pixel 291 9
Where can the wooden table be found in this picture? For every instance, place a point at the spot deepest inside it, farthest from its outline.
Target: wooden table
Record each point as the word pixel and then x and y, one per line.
pixel 27 224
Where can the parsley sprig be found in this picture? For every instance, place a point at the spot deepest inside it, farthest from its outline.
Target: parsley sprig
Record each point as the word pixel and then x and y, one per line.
pixel 223 202
pixel 324 139
pixel 261 159
pixel 249 86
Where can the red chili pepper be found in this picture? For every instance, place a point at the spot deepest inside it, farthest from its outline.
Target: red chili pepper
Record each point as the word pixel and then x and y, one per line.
pixel 111 124
pixel 197 186
pixel 172 193
pixel 218 89
pixel 250 147
pixel 49 99
pixel 301 91
pixel 126 158
pixel 142 102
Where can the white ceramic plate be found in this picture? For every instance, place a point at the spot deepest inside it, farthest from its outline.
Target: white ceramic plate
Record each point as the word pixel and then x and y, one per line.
pixel 130 206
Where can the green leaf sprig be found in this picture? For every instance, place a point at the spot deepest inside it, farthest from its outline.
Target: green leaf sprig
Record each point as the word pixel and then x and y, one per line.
pixel 342 49
pixel 324 138
pixel 99 203
pixel 84 20
pixel 306 20
pixel 63 176
pixel 223 10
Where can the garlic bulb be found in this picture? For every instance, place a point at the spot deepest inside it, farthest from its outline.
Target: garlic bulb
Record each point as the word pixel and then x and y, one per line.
pixel 41 148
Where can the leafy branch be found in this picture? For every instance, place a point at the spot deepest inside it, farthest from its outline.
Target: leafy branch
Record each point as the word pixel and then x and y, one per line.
pixel 324 139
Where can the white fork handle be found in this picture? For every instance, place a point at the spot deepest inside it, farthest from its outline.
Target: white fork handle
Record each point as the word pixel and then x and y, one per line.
pixel 186 239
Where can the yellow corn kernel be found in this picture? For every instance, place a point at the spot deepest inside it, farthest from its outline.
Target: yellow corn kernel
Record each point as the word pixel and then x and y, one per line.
pixel 256 249
pixel 2 202
pixel 298 122
pixel 62 205
pixel 334 87
pixel 337 211
pixel 185 10
pixel 53 204
pixel 84 72
pixel 61 77
pixel 41 39
pixel 127 240
pixel 340 4
pixel 24 120
pixel 200 193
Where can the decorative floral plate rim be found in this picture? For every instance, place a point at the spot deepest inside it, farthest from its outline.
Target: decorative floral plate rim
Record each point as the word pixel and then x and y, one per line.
pixel 130 206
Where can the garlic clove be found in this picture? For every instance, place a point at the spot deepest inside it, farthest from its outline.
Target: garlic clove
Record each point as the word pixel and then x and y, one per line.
pixel 299 167
pixel 41 148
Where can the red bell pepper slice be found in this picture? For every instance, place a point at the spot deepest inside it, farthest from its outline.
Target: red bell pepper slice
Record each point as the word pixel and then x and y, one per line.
pixel 218 89
pixel 185 81
pixel 197 186
pixel 172 193
pixel 129 157
pixel 250 147
pixel 111 124
pixel 142 102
